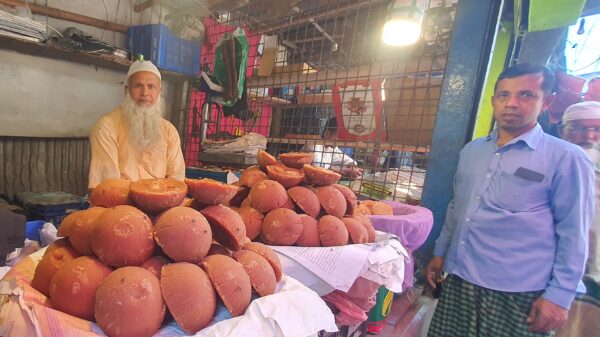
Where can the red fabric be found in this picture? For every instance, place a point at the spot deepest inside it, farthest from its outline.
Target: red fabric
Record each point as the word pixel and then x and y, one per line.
pixel 213 32
pixel 568 93
pixel 593 93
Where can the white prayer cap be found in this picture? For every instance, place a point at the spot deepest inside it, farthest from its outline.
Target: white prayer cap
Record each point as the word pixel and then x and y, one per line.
pixel 583 110
pixel 138 66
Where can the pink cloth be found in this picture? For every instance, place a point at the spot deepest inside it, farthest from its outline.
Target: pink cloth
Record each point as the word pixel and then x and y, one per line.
pixel 411 224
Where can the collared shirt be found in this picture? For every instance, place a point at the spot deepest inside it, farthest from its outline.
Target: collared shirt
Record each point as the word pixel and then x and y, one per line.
pixel 113 157
pixel 328 157
pixel 520 216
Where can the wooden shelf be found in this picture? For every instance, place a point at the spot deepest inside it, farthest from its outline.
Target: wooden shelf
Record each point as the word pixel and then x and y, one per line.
pixel 359 145
pixel 323 99
pixel 371 71
pixel 302 100
pixel 267 99
pixel 59 53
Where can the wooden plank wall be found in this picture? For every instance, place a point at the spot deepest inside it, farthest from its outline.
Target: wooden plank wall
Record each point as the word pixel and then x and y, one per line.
pixel 30 164
pixel 43 164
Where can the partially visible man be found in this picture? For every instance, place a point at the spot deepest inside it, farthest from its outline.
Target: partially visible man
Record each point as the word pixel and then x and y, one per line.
pixel 581 126
pixel 134 141
pixel 331 157
pixel 514 240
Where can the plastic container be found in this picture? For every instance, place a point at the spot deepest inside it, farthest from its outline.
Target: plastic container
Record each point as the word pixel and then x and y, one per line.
pixel 379 313
pixel 50 206
pixel 32 229
pixel 198 173
pixel 164 49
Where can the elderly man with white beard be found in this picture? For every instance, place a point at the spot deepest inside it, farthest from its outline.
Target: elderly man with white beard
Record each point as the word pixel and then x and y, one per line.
pixel 581 126
pixel 134 141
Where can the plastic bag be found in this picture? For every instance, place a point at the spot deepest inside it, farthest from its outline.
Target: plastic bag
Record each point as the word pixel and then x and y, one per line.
pixel 48 234
pixel 241 60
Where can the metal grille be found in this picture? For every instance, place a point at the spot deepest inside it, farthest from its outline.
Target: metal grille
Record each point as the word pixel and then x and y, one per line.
pixel 329 61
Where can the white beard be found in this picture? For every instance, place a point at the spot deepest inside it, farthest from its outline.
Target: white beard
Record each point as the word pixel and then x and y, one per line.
pixel 594 154
pixel 143 122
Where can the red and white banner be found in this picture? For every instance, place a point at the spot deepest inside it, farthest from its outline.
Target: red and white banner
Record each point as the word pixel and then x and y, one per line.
pixel 358 108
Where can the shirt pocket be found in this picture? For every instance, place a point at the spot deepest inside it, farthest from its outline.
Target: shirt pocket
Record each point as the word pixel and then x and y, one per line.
pixel 516 194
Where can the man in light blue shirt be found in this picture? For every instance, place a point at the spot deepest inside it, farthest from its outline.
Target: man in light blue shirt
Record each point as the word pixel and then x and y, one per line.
pixel 514 241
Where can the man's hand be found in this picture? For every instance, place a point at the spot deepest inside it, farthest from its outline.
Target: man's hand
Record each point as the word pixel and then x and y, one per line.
pixel 434 270
pixel 351 172
pixel 546 316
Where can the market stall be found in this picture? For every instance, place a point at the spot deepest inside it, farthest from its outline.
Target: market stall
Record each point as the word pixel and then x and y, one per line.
pixel 346 273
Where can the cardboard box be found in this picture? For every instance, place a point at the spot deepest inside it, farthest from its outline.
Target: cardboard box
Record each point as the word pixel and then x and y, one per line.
pixel 300 68
pixel 315 99
pixel 269 55
pixel 410 109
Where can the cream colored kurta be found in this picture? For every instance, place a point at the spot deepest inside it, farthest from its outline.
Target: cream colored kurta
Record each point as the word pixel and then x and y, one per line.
pixel 113 157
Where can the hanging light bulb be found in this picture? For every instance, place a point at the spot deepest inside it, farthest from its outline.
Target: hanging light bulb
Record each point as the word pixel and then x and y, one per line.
pixel 403 26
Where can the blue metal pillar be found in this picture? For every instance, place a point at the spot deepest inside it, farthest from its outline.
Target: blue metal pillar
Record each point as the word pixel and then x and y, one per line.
pixel 472 39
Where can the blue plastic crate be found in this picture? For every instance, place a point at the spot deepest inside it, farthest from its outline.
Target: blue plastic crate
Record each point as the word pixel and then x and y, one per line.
pixel 164 49
pixel 32 229
pixel 50 206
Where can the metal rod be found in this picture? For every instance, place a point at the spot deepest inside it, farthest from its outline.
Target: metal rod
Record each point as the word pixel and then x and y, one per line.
pixel 292 23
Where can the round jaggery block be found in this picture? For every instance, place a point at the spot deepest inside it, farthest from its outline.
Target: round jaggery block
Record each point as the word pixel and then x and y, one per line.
pixel 231 282
pixel 189 295
pixel 350 196
pixel 332 200
pixel 253 220
pixel 332 231
pixel 227 226
pixel 296 159
pixel 319 176
pixel 267 195
pixel 240 196
pixel 251 176
pixel 281 227
pixel 129 303
pixel 57 254
pixel 73 287
pixel 262 276
pixel 154 264
pixel 110 193
pixel 78 227
pixel 183 233
pixel 306 200
pixel 286 176
pixel 356 230
pixel 269 254
pixel 154 196
pixel 123 237
pixel 210 192
pixel 265 159
pixel 310 232
pixel 366 222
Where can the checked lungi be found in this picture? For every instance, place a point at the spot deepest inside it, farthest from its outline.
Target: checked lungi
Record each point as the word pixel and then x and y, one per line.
pixel 467 310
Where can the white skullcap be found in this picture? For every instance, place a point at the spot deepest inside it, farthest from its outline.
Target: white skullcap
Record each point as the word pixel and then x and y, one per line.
pixel 583 110
pixel 138 66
